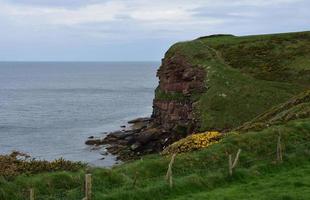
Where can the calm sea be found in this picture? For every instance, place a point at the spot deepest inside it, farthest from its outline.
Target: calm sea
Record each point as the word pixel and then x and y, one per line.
pixel 48 109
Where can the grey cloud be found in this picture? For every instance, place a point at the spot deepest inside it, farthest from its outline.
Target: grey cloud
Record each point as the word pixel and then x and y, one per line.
pixel 57 3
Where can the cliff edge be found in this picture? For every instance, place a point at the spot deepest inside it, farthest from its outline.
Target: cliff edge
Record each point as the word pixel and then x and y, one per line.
pixel 217 83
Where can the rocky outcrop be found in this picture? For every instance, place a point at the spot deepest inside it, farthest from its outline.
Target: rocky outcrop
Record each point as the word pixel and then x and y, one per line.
pixel 178 75
pixel 178 80
pixel 172 117
pixel 142 137
pixel 217 83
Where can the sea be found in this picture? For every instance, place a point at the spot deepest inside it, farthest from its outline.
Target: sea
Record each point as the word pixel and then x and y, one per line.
pixel 49 109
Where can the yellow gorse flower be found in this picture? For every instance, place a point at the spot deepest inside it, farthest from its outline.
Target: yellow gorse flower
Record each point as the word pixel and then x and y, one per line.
pixel 193 142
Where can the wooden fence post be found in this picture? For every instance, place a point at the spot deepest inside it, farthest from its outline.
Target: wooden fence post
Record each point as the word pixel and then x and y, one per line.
pixel 135 179
pixel 31 194
pixel 169 171
pixel 88 187
pixel 279 149
pixel 231 164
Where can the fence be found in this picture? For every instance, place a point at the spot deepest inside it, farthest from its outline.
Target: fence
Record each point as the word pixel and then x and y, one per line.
pixel 233 160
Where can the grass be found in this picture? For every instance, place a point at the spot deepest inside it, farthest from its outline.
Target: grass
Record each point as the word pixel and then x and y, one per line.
pixel 162 95
pixel 287 184
pixel 281 57
pixel 294 108
pixel 245 75
pixel 197 175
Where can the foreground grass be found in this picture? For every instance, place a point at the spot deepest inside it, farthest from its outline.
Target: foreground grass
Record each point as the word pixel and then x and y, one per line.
pixel 197 175
pixel 289 183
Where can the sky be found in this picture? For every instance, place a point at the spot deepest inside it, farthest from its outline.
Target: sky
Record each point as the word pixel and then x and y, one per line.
pixel 133 30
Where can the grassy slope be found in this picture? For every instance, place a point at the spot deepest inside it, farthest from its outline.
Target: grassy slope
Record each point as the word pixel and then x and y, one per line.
pixel 197 175
pixel 246 75
pixel 287 184
pixel 294 108
pixel 282 57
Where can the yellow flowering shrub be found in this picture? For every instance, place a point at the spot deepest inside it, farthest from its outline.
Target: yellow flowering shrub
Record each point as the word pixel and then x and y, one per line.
pixel 193 142
pixel 18 163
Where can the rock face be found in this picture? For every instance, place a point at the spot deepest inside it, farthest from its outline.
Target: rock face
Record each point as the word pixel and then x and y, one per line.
pixel 172 117
pixel 177 75
pixel 177 78
pixel 215 83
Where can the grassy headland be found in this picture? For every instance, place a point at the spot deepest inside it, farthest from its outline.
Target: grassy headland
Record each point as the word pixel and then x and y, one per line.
pixel 245 75
pixel 252 79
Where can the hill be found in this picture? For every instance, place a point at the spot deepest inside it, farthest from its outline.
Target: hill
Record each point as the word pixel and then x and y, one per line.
pixel 224 81
pixel 295 108
pixel 217 83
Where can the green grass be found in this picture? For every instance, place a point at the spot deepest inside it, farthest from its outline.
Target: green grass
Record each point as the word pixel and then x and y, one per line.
pixel 245 75
pixel 281 57
pixel 177 96
pixel 289 184
pixel 197 175
pixel 294 108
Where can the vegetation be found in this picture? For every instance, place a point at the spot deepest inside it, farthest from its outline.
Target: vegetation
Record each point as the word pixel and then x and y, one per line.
pixel 280 57
pixel 19 163
pixel 245 75
pixel 162 95
pixel 196 175
pixel 249 79
pixel 193 142
pixel 295 108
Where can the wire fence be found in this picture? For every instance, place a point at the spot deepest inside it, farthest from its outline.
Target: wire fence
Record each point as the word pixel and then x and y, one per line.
pixel 86 191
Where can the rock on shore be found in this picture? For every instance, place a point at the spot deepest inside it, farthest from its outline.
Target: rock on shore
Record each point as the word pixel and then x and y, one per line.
pixel 142 137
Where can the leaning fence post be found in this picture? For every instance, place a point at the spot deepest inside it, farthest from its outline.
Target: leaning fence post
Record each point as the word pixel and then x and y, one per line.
pixel 135 179
pixel 279 149
pixel 88 186
pixel 31 194
pixel 169 171
pixel 231 164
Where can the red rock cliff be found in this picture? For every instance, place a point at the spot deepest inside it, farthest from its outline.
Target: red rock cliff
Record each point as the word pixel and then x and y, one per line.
pixel 178 80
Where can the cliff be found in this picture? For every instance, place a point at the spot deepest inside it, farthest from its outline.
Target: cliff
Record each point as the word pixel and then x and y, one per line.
pixel 217 83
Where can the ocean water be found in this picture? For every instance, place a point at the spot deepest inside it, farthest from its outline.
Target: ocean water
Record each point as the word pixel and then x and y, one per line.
pixel 48 109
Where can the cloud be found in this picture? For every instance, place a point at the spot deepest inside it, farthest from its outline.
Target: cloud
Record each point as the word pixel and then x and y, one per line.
pixel 65 23
pixel 162 18
pixel 61 16
pixel 75 12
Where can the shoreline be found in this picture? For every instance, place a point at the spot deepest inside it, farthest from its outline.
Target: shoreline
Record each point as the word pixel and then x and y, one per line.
pixel 131 142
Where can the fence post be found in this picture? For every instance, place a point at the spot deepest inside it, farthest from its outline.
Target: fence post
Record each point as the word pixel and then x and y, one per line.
pixel 231 164
pixel 279 149
pixel 135 179
pixel 169 171
pixel 31 194
pixel 88 186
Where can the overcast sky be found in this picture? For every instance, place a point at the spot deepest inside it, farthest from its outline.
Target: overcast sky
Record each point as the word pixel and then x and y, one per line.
pixel 123 30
